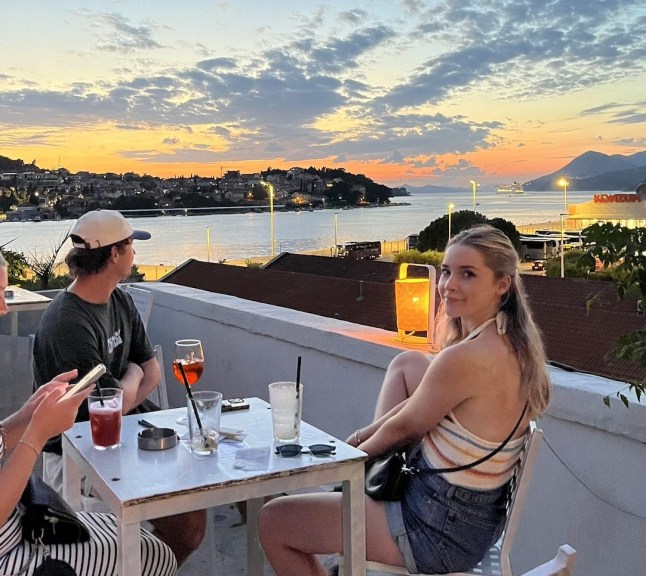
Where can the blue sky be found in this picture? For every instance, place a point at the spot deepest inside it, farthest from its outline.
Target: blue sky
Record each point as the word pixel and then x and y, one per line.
pixel 403 91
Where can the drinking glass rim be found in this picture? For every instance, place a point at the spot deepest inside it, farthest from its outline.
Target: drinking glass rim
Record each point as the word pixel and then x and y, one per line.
pixel 112 391
pixel 200 394
pixel 188 342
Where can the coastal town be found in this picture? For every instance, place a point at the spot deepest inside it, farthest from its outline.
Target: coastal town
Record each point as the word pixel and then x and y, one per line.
pixel 37 195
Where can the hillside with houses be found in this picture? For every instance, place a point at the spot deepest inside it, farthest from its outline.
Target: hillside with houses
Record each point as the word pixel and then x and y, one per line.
pixel 29 193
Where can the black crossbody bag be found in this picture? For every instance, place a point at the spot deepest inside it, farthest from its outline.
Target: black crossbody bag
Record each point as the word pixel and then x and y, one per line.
pixel 387 476
pixel 47 518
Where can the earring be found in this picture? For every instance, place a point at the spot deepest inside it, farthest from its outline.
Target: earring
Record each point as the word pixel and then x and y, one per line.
pixel 501 323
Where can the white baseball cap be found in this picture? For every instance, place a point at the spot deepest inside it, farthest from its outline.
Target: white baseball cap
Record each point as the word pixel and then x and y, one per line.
pixel 101 228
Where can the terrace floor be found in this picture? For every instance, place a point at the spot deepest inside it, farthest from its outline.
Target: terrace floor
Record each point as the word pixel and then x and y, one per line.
pixel 231 547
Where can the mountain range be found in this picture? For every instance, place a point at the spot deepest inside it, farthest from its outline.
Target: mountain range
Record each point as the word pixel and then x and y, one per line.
pixel 591 171
pixel 595 171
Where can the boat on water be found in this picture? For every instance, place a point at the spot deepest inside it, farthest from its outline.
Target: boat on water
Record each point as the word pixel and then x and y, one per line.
pixel 515 188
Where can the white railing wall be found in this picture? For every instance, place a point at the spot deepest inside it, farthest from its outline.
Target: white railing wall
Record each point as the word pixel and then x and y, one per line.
pixel 248 345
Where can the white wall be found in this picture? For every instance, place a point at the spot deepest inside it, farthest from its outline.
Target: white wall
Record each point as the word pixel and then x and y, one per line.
pixel 248 345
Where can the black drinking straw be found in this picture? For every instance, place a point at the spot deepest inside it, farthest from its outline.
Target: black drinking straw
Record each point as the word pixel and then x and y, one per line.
pixel 98 390
pixel 298 377
pixel 190 395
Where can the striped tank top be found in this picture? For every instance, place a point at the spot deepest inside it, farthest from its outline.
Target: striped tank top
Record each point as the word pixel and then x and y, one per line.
pixel 450 444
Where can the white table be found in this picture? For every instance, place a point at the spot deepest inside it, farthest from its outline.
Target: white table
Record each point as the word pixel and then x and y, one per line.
pixel 138 485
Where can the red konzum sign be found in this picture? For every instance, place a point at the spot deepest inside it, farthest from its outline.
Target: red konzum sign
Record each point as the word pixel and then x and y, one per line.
pixel 622 198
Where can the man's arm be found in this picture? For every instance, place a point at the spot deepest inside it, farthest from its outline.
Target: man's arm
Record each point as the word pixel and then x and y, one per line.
pixel 138 382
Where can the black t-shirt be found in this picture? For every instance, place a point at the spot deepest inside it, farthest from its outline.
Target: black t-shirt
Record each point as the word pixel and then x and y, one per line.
pixel 74 333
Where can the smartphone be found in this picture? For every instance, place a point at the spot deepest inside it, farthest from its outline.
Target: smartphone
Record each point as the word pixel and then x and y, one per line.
pixel 91 377
pixel 234 404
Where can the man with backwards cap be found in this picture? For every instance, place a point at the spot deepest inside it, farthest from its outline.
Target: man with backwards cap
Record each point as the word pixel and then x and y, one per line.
pixel 93 322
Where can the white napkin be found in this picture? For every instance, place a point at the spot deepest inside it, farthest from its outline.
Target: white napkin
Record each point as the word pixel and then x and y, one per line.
pixel 252 458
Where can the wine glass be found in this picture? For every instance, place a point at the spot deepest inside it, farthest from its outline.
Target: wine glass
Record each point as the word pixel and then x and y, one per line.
pixel 189 364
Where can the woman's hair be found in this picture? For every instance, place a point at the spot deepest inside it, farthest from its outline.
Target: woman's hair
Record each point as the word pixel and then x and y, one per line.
pixel 83 262
pixel 501 257
pixel 3 262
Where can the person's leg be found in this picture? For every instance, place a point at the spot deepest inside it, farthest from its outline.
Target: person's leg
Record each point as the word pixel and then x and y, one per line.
pixel 292 529
pixel 182 532
pixel 402 378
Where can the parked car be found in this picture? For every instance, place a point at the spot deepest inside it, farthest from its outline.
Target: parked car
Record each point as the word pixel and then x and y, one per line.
pixel 538 265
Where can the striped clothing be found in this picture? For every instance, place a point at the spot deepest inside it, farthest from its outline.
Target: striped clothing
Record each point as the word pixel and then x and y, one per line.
pixel 449 444
pixel 98 557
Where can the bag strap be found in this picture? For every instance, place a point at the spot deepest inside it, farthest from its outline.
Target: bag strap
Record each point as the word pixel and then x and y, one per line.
pixel 480 460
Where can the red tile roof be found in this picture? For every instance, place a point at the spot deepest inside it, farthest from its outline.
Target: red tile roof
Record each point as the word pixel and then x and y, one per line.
pixel 332 287
pixel 358 301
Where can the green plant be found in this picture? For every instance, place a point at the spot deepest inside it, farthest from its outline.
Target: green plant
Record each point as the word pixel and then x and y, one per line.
pixel 252 264
pixel 623 251
pixel 572 266
pixel 55 282
pixel 436 234
pixel 432 257
pixel 16 265
pixel 43 266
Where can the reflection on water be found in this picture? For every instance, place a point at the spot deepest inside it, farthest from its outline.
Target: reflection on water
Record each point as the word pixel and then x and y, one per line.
pixel 241 236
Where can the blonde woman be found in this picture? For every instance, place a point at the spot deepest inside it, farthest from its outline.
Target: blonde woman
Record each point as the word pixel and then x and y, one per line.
pixel 455 409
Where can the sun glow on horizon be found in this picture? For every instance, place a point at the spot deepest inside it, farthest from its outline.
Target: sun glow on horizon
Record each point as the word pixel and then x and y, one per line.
pixel 403 93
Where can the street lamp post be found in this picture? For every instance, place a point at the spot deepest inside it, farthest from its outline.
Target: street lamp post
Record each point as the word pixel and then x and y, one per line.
pixel 271 219
pixel 270 189
pixel 336 232
pixel 474 185
pixel 562 247
pixel 564 183
pixel 451 206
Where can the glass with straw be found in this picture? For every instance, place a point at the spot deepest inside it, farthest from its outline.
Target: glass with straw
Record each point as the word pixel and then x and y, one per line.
pixel 286 400
pixel 188 365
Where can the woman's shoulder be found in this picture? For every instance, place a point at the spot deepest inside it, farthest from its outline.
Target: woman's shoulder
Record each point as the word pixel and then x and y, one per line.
pixel 458 363
pixel 487 343
pixel 475 360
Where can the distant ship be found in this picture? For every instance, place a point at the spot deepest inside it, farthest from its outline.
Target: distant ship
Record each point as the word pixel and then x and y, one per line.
pixel 515 188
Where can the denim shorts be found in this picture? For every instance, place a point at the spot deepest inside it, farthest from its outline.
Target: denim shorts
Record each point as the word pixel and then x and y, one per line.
pixel 443 528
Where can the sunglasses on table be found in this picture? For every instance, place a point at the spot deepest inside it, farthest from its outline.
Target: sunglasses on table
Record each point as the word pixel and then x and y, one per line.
pixel 291 450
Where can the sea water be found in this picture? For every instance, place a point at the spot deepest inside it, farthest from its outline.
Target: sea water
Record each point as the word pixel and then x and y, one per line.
pixel 221 236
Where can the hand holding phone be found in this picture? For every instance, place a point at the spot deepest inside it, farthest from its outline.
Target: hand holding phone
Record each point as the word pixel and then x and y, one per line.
pixel 87 380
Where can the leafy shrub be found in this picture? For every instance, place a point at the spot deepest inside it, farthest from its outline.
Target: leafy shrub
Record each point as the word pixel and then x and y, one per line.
pixel 436 234
pixel 432 257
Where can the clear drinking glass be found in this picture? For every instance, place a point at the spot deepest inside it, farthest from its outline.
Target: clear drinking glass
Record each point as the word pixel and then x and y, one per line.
pixel 286 400
pixel 188 363
pixel 204 432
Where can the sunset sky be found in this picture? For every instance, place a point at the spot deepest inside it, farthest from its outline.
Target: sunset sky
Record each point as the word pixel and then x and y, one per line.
pixel 408 91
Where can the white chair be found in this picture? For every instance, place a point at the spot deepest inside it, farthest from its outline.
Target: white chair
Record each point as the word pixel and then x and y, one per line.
pixel 497 561
pixel 160 395
pixel 143 300
pixel 561 565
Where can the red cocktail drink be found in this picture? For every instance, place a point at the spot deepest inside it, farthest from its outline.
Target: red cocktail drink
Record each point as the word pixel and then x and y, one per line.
pixel 105 419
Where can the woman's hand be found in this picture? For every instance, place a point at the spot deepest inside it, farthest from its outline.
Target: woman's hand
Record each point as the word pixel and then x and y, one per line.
pixel 51 417
pixel 17 422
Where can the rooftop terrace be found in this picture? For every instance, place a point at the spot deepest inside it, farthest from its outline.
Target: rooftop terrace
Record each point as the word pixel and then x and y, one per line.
pixel 248 344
